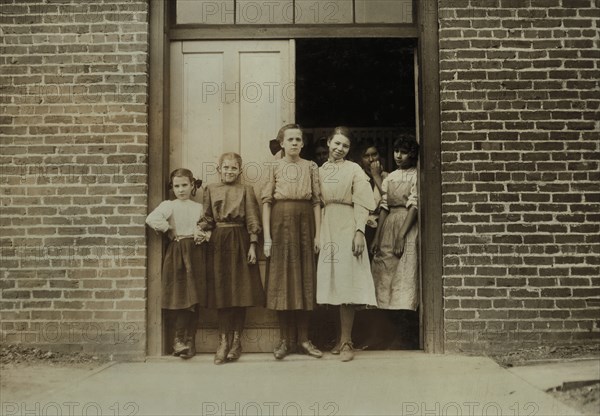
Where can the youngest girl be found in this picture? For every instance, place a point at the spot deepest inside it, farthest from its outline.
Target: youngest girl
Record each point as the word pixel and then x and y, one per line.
pixel 184 267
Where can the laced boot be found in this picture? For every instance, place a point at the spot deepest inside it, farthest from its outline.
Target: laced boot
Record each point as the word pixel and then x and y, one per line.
pixel 236 347
pixel 190 340
pixel 179 346
pixel 222 350
pixel 191 348
pixel 282 350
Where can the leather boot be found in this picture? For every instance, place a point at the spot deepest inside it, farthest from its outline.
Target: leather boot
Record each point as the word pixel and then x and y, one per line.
pixel 236 347
pixel 222 350
pixel 190 338
pixel 282 350
pixel 179 346
pixel 191 348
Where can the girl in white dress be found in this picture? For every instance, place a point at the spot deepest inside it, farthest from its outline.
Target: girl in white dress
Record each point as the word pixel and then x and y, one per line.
pixel 343 271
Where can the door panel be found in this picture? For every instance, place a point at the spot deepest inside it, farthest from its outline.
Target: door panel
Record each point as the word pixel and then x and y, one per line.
pixel 230 96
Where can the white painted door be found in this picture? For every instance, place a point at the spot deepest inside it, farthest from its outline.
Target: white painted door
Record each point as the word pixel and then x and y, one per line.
pixel 230 96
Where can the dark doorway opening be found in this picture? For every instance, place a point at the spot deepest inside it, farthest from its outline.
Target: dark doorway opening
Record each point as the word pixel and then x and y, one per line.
pixel 369 86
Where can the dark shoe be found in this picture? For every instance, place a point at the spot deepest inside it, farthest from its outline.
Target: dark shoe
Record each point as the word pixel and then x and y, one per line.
pixel 336 350
pixel 236 347
pixel 191 349
pixel 281 351
pixel 222 350
pixel 310 349
pixel 347 351
pixel 179 346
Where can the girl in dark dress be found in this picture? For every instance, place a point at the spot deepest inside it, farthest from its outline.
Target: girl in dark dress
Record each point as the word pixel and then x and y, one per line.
pixel 232 214
pixel 184 267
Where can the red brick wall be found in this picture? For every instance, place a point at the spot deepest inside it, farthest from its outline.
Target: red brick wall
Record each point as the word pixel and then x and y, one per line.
pixel 73 128
pixel 520 137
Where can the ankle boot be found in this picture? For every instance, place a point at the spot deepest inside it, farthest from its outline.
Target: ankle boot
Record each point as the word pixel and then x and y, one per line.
pixel 191 348
pixel 236 346
pixel 179 346
pixel 190 340
pixel 222 350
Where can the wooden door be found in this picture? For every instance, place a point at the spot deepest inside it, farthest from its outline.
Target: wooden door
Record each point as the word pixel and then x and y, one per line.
pixel 230 96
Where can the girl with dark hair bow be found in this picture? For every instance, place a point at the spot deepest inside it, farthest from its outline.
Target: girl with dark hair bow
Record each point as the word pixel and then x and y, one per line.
pixel 184 266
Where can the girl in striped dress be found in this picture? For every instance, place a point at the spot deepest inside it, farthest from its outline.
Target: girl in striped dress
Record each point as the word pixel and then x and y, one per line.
pixel 291 221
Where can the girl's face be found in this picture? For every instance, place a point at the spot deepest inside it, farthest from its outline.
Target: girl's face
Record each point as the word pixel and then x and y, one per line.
pixel 230 170
pixel 182 187
pixel 369 156
pixel 339 146
pixel 292 142
pixel 402 158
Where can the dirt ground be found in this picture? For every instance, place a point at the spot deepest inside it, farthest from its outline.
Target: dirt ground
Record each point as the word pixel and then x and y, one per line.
pixel 546 354
pixel 25 372
pixel 586 399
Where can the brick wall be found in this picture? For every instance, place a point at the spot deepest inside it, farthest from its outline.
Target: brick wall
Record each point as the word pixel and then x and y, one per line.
pixel 73 128
pixel 521 202
pixel 520 137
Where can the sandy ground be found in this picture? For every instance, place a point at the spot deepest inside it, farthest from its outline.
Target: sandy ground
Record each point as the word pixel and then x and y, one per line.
pixel 23 380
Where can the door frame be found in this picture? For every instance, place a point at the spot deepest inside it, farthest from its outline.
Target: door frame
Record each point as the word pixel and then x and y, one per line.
pixel 163 30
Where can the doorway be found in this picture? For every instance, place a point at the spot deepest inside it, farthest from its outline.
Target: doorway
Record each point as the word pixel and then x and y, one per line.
pixel 164 30
pixel 369 86
pixel 234 95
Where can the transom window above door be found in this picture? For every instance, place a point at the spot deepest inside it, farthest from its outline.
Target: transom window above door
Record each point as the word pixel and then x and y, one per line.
pixel 300 12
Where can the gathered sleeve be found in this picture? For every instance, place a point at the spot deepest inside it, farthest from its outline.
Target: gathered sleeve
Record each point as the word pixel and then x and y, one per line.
pixel 363 199
pixel 253 223
pixel 268 189
pixel 413 196
pixel 207 222
pixel 384 195
pixel 315 186
pixel 159 218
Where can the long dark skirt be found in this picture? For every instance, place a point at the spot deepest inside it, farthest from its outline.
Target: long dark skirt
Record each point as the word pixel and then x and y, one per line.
pixel 232 282
pixel 184 275
pixel 291 269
